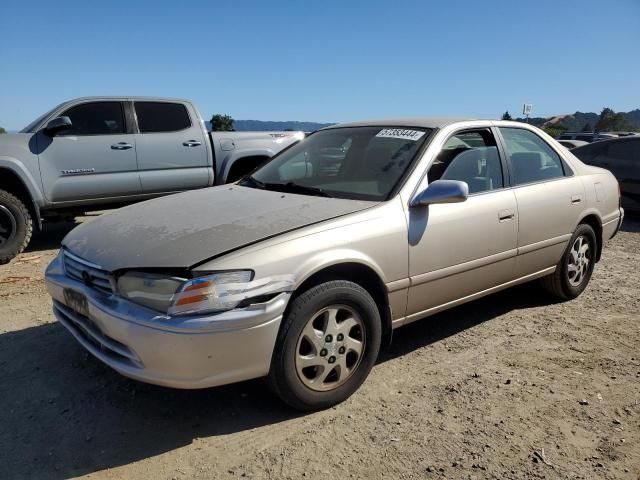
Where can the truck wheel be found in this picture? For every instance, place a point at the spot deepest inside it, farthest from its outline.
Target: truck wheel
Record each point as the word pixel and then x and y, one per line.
pixel 576 266
pixel 328 343
pixel 16 227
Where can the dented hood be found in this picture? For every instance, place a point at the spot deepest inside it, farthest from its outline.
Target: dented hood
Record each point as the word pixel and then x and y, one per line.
pixel 182 230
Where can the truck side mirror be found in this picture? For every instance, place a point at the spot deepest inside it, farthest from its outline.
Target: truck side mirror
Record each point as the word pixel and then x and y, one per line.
pixel 56 125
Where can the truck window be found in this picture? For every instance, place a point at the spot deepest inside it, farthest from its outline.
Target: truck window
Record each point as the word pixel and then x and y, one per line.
pixel 156 117
pixel 95 118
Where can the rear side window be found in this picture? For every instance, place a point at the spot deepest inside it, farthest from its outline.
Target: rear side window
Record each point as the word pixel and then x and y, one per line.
pixel 95 118
pixel 156 117
pixel 532 159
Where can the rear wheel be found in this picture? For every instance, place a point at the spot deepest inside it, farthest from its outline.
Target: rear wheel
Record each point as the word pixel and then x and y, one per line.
pixel 16 226
pixel 327 345
pixel 574 270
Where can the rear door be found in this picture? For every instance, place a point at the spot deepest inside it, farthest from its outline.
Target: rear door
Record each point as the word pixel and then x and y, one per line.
pixel 95 158
pixel 172 153
pixel 549 197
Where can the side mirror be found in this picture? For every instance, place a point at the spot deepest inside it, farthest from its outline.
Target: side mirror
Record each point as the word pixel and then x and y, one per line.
pixel 57 124
pixel 441 191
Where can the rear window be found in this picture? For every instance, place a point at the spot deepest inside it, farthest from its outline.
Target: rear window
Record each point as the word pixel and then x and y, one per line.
pixel 625 150
pixel 589 154
pixel 157 117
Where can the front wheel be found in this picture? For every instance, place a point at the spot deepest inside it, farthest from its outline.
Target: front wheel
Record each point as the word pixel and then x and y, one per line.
pixel 574 270
pixel 327 345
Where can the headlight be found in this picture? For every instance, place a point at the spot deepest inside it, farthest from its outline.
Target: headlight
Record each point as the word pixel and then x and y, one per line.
pixel 212 293
pixel 149 290
pixel 177 296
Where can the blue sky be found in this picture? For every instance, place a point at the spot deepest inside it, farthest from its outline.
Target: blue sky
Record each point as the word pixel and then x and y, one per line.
pixel 324 61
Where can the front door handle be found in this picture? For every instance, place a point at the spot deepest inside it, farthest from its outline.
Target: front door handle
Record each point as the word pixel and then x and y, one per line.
pixel 191 143
pixel 121 146
pixel 576 198
pixel 506 215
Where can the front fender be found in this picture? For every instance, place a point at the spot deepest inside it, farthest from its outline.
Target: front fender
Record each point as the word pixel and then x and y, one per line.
pixel 235 155
pixel 329 258
pixel 26 176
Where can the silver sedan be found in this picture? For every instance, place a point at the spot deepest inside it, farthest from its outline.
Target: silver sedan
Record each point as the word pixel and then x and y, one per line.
pixel 300 271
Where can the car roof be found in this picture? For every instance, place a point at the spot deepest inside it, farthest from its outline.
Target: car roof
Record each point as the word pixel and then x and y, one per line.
pixel 420 122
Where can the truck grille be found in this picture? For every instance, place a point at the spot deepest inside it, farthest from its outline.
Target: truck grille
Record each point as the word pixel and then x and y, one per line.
pixel 91 275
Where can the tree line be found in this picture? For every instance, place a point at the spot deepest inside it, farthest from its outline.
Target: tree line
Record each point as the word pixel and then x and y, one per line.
pixel 607 121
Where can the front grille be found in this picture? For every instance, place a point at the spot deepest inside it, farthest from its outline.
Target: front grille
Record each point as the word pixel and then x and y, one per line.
pixel 88 333
pixel 88 273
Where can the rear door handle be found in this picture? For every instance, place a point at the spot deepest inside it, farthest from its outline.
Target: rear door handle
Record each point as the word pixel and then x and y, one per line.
pixel 505 215
pixel 121 146
pixel 576 198
pixel 191 143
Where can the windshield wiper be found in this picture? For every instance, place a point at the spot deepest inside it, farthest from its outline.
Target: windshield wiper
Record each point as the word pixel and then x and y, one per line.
pixel 296 188
pixel 254 181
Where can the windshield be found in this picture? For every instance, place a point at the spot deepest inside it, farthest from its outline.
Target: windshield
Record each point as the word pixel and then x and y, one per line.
pixel 363 163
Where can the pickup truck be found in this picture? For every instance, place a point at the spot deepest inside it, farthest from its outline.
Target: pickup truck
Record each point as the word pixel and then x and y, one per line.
pixel 96 153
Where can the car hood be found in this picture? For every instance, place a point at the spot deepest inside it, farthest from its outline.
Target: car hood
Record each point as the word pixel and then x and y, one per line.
pixel 182 230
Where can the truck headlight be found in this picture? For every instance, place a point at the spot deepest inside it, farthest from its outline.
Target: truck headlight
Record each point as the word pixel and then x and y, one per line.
pixel 177 296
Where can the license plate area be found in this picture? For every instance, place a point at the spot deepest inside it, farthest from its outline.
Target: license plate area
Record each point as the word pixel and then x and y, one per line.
pixel 76 301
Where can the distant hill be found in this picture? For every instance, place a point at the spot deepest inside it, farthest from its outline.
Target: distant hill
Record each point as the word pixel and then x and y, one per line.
pixel 577 121
pixel 266 125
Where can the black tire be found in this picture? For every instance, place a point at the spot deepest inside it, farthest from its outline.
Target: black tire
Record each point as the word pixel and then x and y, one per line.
pixel 559 283
pixel 16 227
pixel 284 378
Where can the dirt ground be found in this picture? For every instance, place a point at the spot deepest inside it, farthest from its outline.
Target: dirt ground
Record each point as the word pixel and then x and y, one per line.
pixel 507 387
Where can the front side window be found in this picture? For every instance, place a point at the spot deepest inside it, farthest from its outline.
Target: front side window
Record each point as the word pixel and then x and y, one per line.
pixel 96 118
pixel 158 117
pixel 532 159
pixel 470 157
pixel 364 163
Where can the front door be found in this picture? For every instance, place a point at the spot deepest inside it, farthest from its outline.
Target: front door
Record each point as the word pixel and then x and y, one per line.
pixel 95 158
pixel 458 249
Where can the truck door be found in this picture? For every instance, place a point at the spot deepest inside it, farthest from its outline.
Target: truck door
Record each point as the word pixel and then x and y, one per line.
pixel 171 148
pixel 95 158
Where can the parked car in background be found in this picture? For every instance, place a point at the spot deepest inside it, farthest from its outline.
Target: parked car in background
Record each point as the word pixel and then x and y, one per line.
pixel 300 271
pixel 572 143
pixel 586 136
pixel 98 152
pixel 621 156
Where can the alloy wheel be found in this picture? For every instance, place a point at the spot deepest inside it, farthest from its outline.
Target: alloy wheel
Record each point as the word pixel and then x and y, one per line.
pixel 580 258
pixel 330 348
